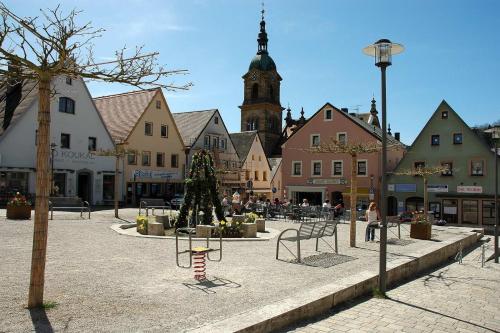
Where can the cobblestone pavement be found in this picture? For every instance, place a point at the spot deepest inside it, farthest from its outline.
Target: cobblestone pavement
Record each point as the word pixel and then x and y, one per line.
pixel 454 298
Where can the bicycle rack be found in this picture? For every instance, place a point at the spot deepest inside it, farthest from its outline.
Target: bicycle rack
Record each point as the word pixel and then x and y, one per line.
pixel 190 232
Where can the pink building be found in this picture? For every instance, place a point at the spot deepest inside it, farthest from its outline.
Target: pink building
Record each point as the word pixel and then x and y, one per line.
pixel 321 176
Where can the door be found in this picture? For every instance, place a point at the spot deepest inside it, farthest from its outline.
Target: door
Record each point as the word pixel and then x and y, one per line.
pixel 84 186
pixel 392 206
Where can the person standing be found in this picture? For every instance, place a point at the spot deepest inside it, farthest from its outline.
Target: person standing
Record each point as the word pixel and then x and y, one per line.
pixel 372 217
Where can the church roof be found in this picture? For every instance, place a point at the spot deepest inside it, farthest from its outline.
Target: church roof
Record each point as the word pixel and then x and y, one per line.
pixel 262 62
pixel 191 124
pixel 243 142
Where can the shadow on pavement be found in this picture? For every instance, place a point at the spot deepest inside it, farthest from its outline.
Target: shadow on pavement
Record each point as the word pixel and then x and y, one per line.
pixel 210 283
pixel 41 322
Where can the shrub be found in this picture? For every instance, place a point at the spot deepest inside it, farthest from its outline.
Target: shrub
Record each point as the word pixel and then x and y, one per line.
pixel 251 217
pixel 142 224
pixel 18 200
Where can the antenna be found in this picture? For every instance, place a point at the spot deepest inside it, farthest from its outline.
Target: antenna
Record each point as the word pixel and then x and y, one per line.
pixel 355 107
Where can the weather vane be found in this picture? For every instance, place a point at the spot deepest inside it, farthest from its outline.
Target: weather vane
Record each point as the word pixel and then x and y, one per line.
pixel 263 11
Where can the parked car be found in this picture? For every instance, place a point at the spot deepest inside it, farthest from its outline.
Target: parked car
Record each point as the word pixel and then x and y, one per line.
pixel 177 201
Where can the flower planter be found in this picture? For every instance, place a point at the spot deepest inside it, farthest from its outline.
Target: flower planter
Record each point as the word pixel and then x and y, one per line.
pixel 19 212
pixel 261 225
pixel 420 231
pixel 156 229
pixel 204 231
pixel 163 219
pixel 249 230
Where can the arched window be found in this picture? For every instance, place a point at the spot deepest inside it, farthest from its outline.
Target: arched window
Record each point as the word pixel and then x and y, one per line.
pixel 255 90
pixel 271 92
pixel 255 124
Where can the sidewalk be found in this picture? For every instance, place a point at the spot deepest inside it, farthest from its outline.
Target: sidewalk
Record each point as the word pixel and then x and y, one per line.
pixel 453 298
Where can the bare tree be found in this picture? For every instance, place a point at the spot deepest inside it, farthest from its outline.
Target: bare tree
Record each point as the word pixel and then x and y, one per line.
pixel 354 149
pixel 42 51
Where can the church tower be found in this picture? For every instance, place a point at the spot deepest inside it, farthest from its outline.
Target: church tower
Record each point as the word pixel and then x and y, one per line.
pixel 261 110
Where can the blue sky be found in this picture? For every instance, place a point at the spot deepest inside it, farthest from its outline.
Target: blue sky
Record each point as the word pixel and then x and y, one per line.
pixel 452 52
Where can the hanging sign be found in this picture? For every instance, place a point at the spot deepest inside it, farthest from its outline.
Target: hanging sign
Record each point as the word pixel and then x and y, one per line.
pixel 437 188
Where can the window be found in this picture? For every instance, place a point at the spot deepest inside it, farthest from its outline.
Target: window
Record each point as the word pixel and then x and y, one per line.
pixel 419 165
pixel 92 143
pixel 260 158
pixel 60 184
pixel 342 137
pixel 253 157
pixel 160 159
pixel 65 140
pixel 69 80
pixel 164 131
pixel 470 211
pixel 264 175
pixel 132 159
pixel 449 166
pixel 316 168
pixel 315 140
pixel 444 115
pixel 216 120
pixel 362 168
pixel 328 114
pixel 297 168
pixel 435 140
pixel 337 168
pixel 271 92
pixel 146 158
pixel 223 144
pixel 66 105
pixel 148 129
pixel 247 175
pixel 457 138
pixel 215 142
pixel 174 161
pixel 477 168
pixel 158 104
pixel 256 175
pixel 255 91
pixel 206 142
pixel 108 187
pixel 488 212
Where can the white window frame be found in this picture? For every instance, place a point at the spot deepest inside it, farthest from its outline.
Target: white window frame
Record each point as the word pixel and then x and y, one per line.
pixel 341 169
pixel 357 169
pixel 146 123
pixel 320 169
pixel 293 168
pixel 338 136
pixel 324 115
pixel 311 140
pixel 166 128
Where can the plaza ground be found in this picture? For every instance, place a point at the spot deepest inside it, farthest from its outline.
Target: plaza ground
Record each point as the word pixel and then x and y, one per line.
pixel 105 281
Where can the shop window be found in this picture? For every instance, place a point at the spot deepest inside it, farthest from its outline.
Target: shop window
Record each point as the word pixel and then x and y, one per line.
pixel 469 211
pixel 92 143
pixel 449 169
pixel 65 140
pixel 132 159
pixel 108 187
pixel 435 140
pixel 297 168
pixel 164 131
pixel 160 159
pixel 338 168
pixel 477 168
pixel 148 129
pixel 457 138
pixel 13 182
pixel 59 184
pixel 66 105
pixel 362 168
pixel 488 212
pixel 316 168
pixel 174 161
pixel 146 158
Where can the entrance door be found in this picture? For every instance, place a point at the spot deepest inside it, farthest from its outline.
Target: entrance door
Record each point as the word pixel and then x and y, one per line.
pixel 392 206
pixel 450 213
pixel 314 198
pixel 337 198
pixel 84 186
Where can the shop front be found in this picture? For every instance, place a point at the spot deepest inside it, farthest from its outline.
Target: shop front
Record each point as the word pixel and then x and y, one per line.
pixel 473 209
pixel 153 184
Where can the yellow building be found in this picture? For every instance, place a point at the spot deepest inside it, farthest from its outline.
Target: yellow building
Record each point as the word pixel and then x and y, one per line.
pixel 141 121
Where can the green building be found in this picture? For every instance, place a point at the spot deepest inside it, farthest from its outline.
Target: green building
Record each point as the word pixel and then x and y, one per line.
pixel 465 193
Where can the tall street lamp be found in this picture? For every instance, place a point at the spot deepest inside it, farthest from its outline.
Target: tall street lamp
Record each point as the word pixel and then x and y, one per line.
pixel 495 135
pixel 52 150
pixel 383 50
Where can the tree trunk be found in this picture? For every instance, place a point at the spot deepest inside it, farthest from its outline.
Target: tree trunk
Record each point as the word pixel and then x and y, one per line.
pixel 354 195
pixel 117 169
pixel 38 257
pixel 426 198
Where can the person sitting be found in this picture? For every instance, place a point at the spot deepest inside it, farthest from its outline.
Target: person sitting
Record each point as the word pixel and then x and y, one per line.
pixel 327 204
pixel 372 217
pixel 305 203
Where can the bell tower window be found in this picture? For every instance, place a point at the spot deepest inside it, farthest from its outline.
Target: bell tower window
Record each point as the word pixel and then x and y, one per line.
pixel 255 90
pixel 271 92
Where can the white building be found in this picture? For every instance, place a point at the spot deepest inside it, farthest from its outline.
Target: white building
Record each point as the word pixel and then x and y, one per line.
pixel 76 129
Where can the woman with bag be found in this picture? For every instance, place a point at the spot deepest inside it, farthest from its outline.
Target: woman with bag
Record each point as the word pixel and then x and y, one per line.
pixel 372 217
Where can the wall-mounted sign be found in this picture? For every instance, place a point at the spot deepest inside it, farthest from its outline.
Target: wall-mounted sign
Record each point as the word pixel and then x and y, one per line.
pixel 153 174
pixel 327 181
pixel 405 187
pixel 437 188
pixel 469 189
pixel 390 187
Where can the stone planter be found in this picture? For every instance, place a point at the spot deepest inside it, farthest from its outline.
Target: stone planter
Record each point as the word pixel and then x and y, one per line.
pixel 420 231
pixel 261 225
pixel 237 218
pixel 19 212
pixel 156 229
pixel 249 230
pixel 163 219
pixel 203 231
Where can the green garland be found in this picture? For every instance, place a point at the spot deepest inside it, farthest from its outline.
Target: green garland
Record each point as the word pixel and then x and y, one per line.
pixel 201 191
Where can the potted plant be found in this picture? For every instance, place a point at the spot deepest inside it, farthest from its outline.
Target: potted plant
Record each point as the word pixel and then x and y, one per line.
pixel 420 227
pixel 18 208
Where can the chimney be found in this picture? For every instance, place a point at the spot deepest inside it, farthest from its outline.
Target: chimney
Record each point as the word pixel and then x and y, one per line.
pixel 396 136
pixel 345 110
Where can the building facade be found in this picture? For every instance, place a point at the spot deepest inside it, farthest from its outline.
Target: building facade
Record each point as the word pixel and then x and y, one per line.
pixel 321 176
pixel 76 130
pixel 141 121
pixel 464 194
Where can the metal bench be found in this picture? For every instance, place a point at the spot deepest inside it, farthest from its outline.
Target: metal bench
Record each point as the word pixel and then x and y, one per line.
pixel 153 203
pixel 309 230
pixel 83 206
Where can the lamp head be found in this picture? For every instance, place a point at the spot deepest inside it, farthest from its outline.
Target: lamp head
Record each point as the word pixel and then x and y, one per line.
pixel 382 50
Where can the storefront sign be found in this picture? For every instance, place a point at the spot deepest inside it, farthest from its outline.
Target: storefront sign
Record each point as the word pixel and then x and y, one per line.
pixel 469 189
pixel 327 181
pixel 437 188
pixel 390 187
pixel 83 157
pixel 153 174
pixel 406 187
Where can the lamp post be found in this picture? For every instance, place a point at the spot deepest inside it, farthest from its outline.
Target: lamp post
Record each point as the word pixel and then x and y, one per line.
pixel 52 150
pixel 383 50
pixel 495 135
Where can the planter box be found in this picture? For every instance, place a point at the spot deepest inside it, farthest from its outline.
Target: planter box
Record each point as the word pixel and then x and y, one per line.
pixel 237 218
pixel 420 230
pixel 261 225
pixel 19 212
pixel 156 229
pixel 249 230
pixel 204 231
pixel 163 219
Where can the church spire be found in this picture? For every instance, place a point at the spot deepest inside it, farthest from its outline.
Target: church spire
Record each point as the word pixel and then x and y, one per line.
pixel 262 40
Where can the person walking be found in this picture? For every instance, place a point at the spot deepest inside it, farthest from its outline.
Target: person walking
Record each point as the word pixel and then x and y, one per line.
pixel 372 217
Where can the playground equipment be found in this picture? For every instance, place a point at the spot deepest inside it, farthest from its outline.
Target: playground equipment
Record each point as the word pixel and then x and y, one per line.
pixel 198 254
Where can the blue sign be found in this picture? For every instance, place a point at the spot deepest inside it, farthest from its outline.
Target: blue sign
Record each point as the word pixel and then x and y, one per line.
pixel 405 187
pixel 274 190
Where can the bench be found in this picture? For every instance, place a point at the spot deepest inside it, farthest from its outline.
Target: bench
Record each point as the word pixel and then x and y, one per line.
pixel 72 204
pixel 309 230
pixel 153 203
